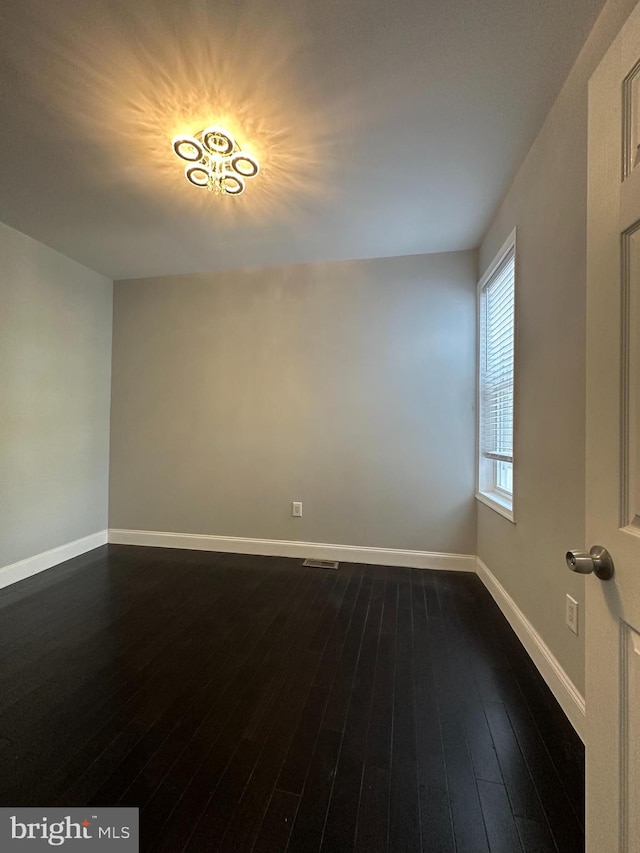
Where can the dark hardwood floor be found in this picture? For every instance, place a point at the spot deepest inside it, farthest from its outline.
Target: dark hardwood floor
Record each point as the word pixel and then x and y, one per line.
pixel 251 704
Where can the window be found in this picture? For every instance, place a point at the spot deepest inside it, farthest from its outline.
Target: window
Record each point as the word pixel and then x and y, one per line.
pixel 496 294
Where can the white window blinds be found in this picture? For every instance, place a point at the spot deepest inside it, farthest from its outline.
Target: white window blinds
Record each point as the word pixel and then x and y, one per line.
pixel 496 363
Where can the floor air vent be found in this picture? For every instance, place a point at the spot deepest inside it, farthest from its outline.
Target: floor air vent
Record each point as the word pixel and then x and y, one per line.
pixel 321 564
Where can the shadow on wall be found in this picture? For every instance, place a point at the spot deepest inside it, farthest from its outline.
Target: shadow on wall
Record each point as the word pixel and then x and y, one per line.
pixel 128 77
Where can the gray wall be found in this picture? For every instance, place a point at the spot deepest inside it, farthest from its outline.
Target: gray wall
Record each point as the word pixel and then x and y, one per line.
pixel 55 366
pixel 348 386
pixel 547 202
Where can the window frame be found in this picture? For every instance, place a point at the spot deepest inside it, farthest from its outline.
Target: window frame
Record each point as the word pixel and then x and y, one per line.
pixel 493 495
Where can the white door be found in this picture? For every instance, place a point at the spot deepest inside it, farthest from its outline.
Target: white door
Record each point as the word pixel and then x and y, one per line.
pixel 613 447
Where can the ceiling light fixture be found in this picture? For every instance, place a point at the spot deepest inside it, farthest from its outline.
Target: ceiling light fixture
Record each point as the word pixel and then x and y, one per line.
pixel 215 161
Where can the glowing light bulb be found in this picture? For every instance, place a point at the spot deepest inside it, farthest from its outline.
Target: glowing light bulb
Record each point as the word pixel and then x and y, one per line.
pixel 218 141
pixel 197 175
pixel 218 164
pixel 245 165
pixel 233 184
pixel 188 148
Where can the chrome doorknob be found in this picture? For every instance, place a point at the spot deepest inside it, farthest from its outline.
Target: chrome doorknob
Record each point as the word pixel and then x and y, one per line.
pixel 597 560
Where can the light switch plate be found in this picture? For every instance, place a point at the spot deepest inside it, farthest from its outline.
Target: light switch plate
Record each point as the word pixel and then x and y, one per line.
pixel 572 614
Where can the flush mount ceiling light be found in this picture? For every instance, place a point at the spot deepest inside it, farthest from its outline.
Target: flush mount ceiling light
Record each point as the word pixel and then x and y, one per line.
pixel 215 161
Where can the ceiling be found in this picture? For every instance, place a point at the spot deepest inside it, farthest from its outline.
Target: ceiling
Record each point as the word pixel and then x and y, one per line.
pixel 382 128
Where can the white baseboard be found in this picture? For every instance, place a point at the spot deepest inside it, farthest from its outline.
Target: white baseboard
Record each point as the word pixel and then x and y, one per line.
pixel 565 691
pixel 287 548
pixel 38 563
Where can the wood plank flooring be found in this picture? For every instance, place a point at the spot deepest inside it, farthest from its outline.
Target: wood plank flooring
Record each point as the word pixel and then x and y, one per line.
pixel 249 704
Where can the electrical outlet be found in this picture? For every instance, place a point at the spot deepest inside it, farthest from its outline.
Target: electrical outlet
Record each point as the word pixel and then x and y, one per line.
pixel 296 509
pixel 572 614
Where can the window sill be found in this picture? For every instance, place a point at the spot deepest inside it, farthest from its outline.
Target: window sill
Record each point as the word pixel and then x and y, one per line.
pixel 499 504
